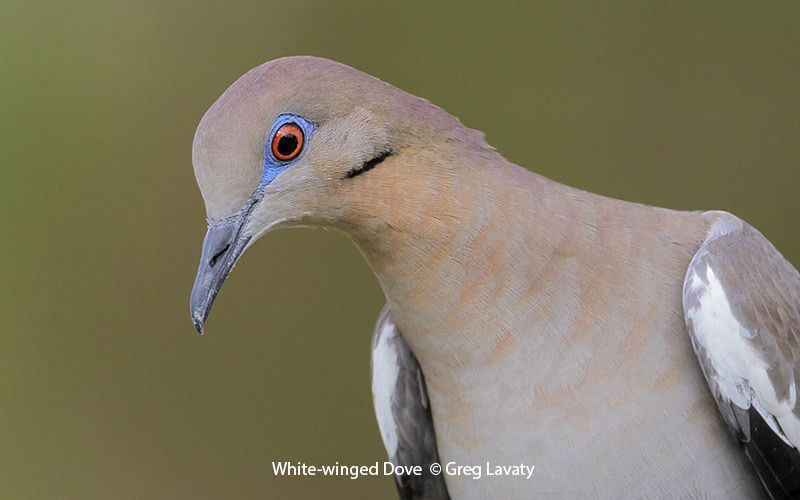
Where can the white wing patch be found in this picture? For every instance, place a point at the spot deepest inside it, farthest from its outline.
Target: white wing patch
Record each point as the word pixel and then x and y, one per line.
pixel 384 381
pixel 404 415
pixel 718 330
pixel 733 361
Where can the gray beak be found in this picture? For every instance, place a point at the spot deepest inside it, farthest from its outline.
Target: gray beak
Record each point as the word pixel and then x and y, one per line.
pixel 222 247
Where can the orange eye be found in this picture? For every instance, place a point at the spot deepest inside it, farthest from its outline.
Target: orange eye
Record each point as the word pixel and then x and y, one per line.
pixel 287 142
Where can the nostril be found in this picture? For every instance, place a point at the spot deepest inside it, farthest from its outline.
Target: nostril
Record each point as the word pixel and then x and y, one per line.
pixel 219 254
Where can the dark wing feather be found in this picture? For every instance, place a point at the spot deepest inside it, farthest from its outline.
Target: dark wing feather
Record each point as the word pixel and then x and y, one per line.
pixel 403 411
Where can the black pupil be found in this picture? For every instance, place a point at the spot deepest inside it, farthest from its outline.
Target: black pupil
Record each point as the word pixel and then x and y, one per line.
pixel 287 144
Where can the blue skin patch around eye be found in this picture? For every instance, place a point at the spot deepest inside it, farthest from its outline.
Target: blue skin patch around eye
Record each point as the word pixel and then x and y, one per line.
pixel 272 165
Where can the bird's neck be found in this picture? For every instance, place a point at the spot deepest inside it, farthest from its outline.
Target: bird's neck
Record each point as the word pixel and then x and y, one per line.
pixel 500 261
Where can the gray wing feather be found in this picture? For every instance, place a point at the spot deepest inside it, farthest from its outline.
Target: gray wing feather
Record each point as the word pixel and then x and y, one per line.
pixel 741 300
pixel 403 412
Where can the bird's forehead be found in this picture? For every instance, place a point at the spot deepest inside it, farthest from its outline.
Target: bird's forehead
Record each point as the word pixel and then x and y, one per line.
pixel 228 150
pixel 225 158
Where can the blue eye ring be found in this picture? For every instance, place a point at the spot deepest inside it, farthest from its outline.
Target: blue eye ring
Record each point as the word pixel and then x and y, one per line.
pixel 278 157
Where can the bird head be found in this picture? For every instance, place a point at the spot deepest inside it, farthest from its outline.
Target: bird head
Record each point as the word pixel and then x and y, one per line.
pixel 304 141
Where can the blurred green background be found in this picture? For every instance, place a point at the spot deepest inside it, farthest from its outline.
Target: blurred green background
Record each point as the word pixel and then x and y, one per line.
pixel 105 389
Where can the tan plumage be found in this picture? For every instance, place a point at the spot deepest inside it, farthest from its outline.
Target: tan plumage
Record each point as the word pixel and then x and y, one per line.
pixel 547 321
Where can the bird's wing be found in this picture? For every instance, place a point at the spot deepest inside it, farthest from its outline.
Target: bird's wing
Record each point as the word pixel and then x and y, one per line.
pixel 403 411
pixel 741 301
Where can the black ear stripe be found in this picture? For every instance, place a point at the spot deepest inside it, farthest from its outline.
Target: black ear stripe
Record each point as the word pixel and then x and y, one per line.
pixel 368 165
